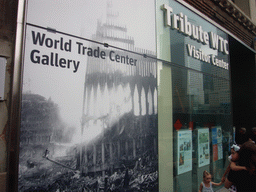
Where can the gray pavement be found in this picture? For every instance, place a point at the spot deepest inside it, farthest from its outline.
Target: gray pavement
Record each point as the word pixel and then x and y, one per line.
pixel 223 189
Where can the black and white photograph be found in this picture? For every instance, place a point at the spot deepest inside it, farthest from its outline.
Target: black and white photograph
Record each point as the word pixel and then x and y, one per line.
pixel 89 97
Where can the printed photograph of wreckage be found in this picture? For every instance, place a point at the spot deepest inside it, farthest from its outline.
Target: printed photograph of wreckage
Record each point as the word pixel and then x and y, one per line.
pixel 115 146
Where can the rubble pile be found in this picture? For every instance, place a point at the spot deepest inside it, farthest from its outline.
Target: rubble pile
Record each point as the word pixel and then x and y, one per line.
pixel 54 178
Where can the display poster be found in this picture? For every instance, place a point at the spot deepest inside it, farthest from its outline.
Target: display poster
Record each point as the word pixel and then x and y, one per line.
pixel 184 157
pixel 217 143
pixel 215 152
pixel 203 147
pixel 89 97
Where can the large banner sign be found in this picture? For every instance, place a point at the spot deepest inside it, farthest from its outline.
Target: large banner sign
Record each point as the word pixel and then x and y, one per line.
pixel 89 97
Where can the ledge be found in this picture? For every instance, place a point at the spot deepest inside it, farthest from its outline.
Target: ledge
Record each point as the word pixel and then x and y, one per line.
pixel 234 11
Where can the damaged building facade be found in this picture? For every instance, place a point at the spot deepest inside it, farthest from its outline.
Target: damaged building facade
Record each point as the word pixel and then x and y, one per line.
pixel 114 95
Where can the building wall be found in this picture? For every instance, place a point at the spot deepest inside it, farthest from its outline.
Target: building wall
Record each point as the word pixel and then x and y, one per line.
pixel 239 19
pixel 8 10
pixel 244 5
pixel 8 14
pixel 222 13
pixel 253 11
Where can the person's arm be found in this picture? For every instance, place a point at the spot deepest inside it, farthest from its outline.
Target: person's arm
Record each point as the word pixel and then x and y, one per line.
pixel 226 172
pixel 200 188
pixel 235 167
pixel 217 184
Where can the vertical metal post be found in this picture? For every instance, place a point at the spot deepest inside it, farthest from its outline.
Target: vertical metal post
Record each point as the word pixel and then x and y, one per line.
pixel 15 107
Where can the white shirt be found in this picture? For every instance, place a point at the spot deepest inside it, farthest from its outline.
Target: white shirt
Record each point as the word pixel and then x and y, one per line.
pixel 207 189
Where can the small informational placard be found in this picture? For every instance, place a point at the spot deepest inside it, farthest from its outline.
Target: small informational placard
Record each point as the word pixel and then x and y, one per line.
pixel 217 143
pixel 203 147
pixel 184 155
pixel 2 76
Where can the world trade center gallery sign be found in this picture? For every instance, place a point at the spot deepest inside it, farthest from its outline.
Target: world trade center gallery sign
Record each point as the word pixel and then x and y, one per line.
pixel 89 97
pixel 59 44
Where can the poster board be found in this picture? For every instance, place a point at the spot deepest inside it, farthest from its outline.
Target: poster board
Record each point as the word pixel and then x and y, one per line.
pixel 184 151
pixel 203 148
pixel 217 147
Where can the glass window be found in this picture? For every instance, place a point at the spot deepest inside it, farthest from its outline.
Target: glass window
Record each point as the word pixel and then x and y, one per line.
pixel 194 105
pixel 201 110
pixel 195 122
